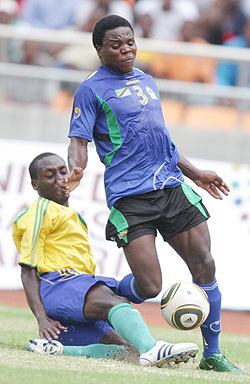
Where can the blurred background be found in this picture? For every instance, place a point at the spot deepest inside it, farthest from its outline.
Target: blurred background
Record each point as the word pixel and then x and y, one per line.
pixel 198 52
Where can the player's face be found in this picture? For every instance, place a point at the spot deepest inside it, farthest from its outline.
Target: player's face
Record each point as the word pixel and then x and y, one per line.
pixel 50 179
pixel 118 50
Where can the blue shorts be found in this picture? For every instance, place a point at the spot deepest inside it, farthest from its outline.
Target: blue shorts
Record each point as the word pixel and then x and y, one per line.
pixel 84 334
pixel 63 294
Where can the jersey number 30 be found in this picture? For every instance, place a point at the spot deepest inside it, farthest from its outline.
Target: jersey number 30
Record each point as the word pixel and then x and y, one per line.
pixel 142 97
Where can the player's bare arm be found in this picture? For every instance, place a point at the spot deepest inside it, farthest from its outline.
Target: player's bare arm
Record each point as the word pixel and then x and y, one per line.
pixel 77 161
pixel 72 179
pixel 48 328
pixel 207 180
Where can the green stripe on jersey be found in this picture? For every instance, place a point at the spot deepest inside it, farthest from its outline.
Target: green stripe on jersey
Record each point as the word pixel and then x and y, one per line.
pixel 82 220
pixel 20 215
pixel 114 130
pixel 193 198
pixel 40 213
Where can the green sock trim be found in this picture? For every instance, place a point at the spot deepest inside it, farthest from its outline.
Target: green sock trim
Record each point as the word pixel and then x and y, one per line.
pixel 128 322
pixel 97 351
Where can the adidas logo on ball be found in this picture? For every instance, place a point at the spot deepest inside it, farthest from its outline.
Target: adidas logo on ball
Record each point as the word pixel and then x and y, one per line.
pixel 189 320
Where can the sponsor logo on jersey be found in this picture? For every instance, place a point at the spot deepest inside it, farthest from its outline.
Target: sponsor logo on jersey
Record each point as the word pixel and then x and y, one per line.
pixel 132 82
pixel 77 112
pixel 123 92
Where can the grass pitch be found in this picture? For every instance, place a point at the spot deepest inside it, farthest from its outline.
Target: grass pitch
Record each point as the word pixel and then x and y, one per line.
pixel 19 366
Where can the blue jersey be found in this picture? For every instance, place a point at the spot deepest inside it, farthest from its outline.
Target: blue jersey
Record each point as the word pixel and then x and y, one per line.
pixel 123 114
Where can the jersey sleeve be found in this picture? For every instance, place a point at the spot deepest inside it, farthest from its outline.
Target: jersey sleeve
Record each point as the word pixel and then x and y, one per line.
pixel 17 237
pixel 29 233
pixel 84 113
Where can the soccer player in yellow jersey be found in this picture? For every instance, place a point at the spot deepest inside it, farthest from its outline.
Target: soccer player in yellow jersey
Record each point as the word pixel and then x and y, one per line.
pixel 74 307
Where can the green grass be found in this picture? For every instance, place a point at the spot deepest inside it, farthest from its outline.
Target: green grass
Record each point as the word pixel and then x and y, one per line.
pixel 22 367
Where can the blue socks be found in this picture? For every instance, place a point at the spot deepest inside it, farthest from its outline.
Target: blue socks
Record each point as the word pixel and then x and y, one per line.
pixel 211 328
pixel 126 288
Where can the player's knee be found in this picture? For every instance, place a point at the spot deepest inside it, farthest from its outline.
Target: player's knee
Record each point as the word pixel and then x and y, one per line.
pixel 99 301
pixel 208 265
pixel 151 290
pixel 204 271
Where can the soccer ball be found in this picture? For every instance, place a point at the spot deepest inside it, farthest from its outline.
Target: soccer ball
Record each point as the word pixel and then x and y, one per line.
pixel 185 306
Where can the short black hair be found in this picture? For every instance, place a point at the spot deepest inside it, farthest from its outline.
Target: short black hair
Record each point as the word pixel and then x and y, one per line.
pixel 33 165
pixel 105 24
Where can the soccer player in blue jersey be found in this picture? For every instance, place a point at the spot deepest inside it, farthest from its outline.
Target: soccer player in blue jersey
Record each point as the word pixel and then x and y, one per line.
pixel 118 106
pixel 71 304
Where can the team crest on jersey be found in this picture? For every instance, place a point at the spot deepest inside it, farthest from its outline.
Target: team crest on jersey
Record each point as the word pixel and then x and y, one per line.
pixel 77 112
pixel 123 92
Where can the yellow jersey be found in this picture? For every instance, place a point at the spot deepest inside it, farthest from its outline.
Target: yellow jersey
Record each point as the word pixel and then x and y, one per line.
pixel 50 237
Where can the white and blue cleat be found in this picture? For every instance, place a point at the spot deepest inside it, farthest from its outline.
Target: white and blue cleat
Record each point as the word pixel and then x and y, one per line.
pixel 164 353
pixel 45 347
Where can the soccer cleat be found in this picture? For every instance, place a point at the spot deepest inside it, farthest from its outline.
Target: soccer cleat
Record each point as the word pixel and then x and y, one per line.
pixel 45 347
pixel 218 362
pixel 164 353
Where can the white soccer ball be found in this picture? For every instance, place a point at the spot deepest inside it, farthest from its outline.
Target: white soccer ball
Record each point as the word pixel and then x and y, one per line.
pixel 185 306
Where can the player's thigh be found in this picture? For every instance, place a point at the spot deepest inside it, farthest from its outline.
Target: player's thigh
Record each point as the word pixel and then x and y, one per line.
pixel 99 301
pixel 143 260
pixel 193 243
pixel 194 247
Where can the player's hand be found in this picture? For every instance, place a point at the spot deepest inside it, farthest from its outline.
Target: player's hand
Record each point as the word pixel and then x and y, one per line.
pixel 49 328
pixel 72 179
pixel 212 183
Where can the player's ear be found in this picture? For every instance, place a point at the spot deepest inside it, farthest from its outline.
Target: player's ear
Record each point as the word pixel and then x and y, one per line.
pixel 34 184
pixel 99 51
